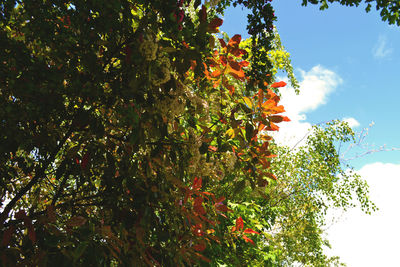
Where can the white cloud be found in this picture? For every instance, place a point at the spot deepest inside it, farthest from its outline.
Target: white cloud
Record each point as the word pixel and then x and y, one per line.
pixel 353 123
pixel 315 86
pixel 372 240
pixel 381 49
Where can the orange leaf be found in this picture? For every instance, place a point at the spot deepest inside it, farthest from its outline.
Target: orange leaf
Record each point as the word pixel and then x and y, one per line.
pixel 250 231
pixel 272 127
pixel 216 73
pixel 238 74
pixel 266 163
pixel 270 175
pixel 244 63
pixel 212 148
pixel 270 106
pixel 261 127
pixel 278 84
pixel 231 88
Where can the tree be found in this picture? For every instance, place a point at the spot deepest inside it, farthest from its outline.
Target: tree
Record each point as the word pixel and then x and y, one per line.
pixel 125 127
pixel 110 153
pixel 313 180
pixel 389 10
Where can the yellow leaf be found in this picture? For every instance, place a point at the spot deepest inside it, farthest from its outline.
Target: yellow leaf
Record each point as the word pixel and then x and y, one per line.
pixel 248 102
pixel 231 133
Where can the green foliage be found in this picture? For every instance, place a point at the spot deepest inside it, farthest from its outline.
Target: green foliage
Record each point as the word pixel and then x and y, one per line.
pixel 278 56
pixel 130 138
pixel 389 10
pixel 122 128
pixel 312 180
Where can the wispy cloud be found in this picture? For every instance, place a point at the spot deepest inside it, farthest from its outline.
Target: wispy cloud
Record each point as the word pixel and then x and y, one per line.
pixel 382 49
pixel 353 123
pixel 315 87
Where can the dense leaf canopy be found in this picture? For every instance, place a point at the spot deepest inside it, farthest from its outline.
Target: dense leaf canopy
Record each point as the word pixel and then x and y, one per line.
pixel 132 135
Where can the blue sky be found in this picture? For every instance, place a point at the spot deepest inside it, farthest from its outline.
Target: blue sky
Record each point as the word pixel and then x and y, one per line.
pixel 348 63
pixel 360 49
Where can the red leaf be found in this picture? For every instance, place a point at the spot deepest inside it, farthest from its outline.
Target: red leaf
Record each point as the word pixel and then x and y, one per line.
pixel 220 199
pixel 76 221
pixel 235 41
pixel 128 53
pixel 278 84
pixel 197 183
pixel 203 14
pixel 20 215
pixel 238 52
pixel 198 206
pixel 239 223
pixel 31 233
pixel 278 118
pixel 248 240
pixel 234 65
pixel 200 247
pixel 197 230
pixel 222 208
pixel 202 257
pixel 261 182
pixel 7 236
pixel 250 231
pixel 222 42
pixel 214 24
pixel 85 160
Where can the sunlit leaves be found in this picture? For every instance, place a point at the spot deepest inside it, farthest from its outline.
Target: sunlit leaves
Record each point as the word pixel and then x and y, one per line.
pixel 129 133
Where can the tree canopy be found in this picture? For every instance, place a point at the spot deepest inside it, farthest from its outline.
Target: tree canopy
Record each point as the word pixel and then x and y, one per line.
pixel 133 135
pixel 389 10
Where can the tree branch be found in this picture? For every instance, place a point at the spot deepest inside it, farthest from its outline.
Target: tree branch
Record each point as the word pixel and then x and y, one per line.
pixel 39 174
